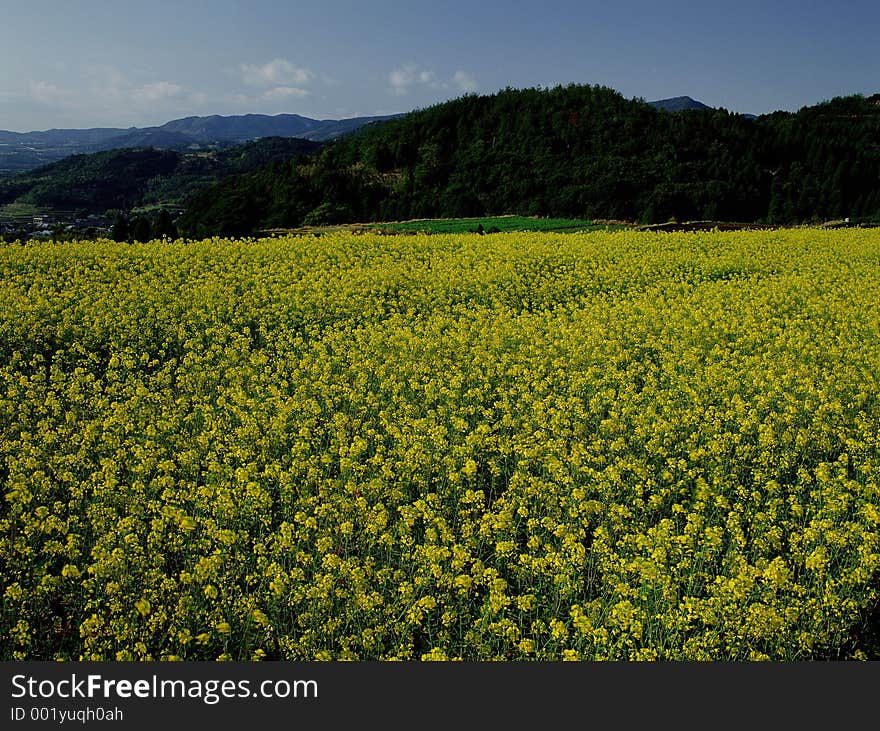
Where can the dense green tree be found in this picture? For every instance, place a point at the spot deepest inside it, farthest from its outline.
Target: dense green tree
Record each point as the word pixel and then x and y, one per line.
pixel 140 229
pixel 120 230
pixel 163 226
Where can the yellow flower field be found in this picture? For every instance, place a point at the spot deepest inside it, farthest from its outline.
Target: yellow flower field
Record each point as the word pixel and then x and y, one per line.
pixel 515 446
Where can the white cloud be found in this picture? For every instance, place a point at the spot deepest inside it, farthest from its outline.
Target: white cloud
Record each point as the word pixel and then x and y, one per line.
pixel 465 81
pixel 277 73
pixel 402 80
pixel 106 95
pixel 108 84
pixel 285 92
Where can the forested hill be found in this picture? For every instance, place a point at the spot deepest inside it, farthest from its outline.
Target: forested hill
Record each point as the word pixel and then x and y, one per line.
pixel 128 178
pixel 579 151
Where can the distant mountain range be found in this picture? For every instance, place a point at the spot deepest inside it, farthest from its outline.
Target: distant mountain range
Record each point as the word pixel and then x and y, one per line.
pixel 21 151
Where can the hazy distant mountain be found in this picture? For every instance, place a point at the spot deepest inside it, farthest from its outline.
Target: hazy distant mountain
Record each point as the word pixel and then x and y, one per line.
pixel 21 151
pixel 678 104
pixel 253 126
pixel 150 137
pixel 93 136
pixel 244 127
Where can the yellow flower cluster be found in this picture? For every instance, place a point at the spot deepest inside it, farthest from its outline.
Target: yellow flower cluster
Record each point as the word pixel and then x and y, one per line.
pixel 517 446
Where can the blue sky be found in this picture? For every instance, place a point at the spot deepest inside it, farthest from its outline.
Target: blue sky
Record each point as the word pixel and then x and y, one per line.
pixel 85 63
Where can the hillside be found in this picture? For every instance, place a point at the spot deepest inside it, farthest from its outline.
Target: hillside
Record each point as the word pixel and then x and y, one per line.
pixel 575 151
pixel 132 177
pixel 23 151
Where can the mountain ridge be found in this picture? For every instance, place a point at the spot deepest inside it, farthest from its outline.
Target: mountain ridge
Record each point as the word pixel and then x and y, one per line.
pixel 24 151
